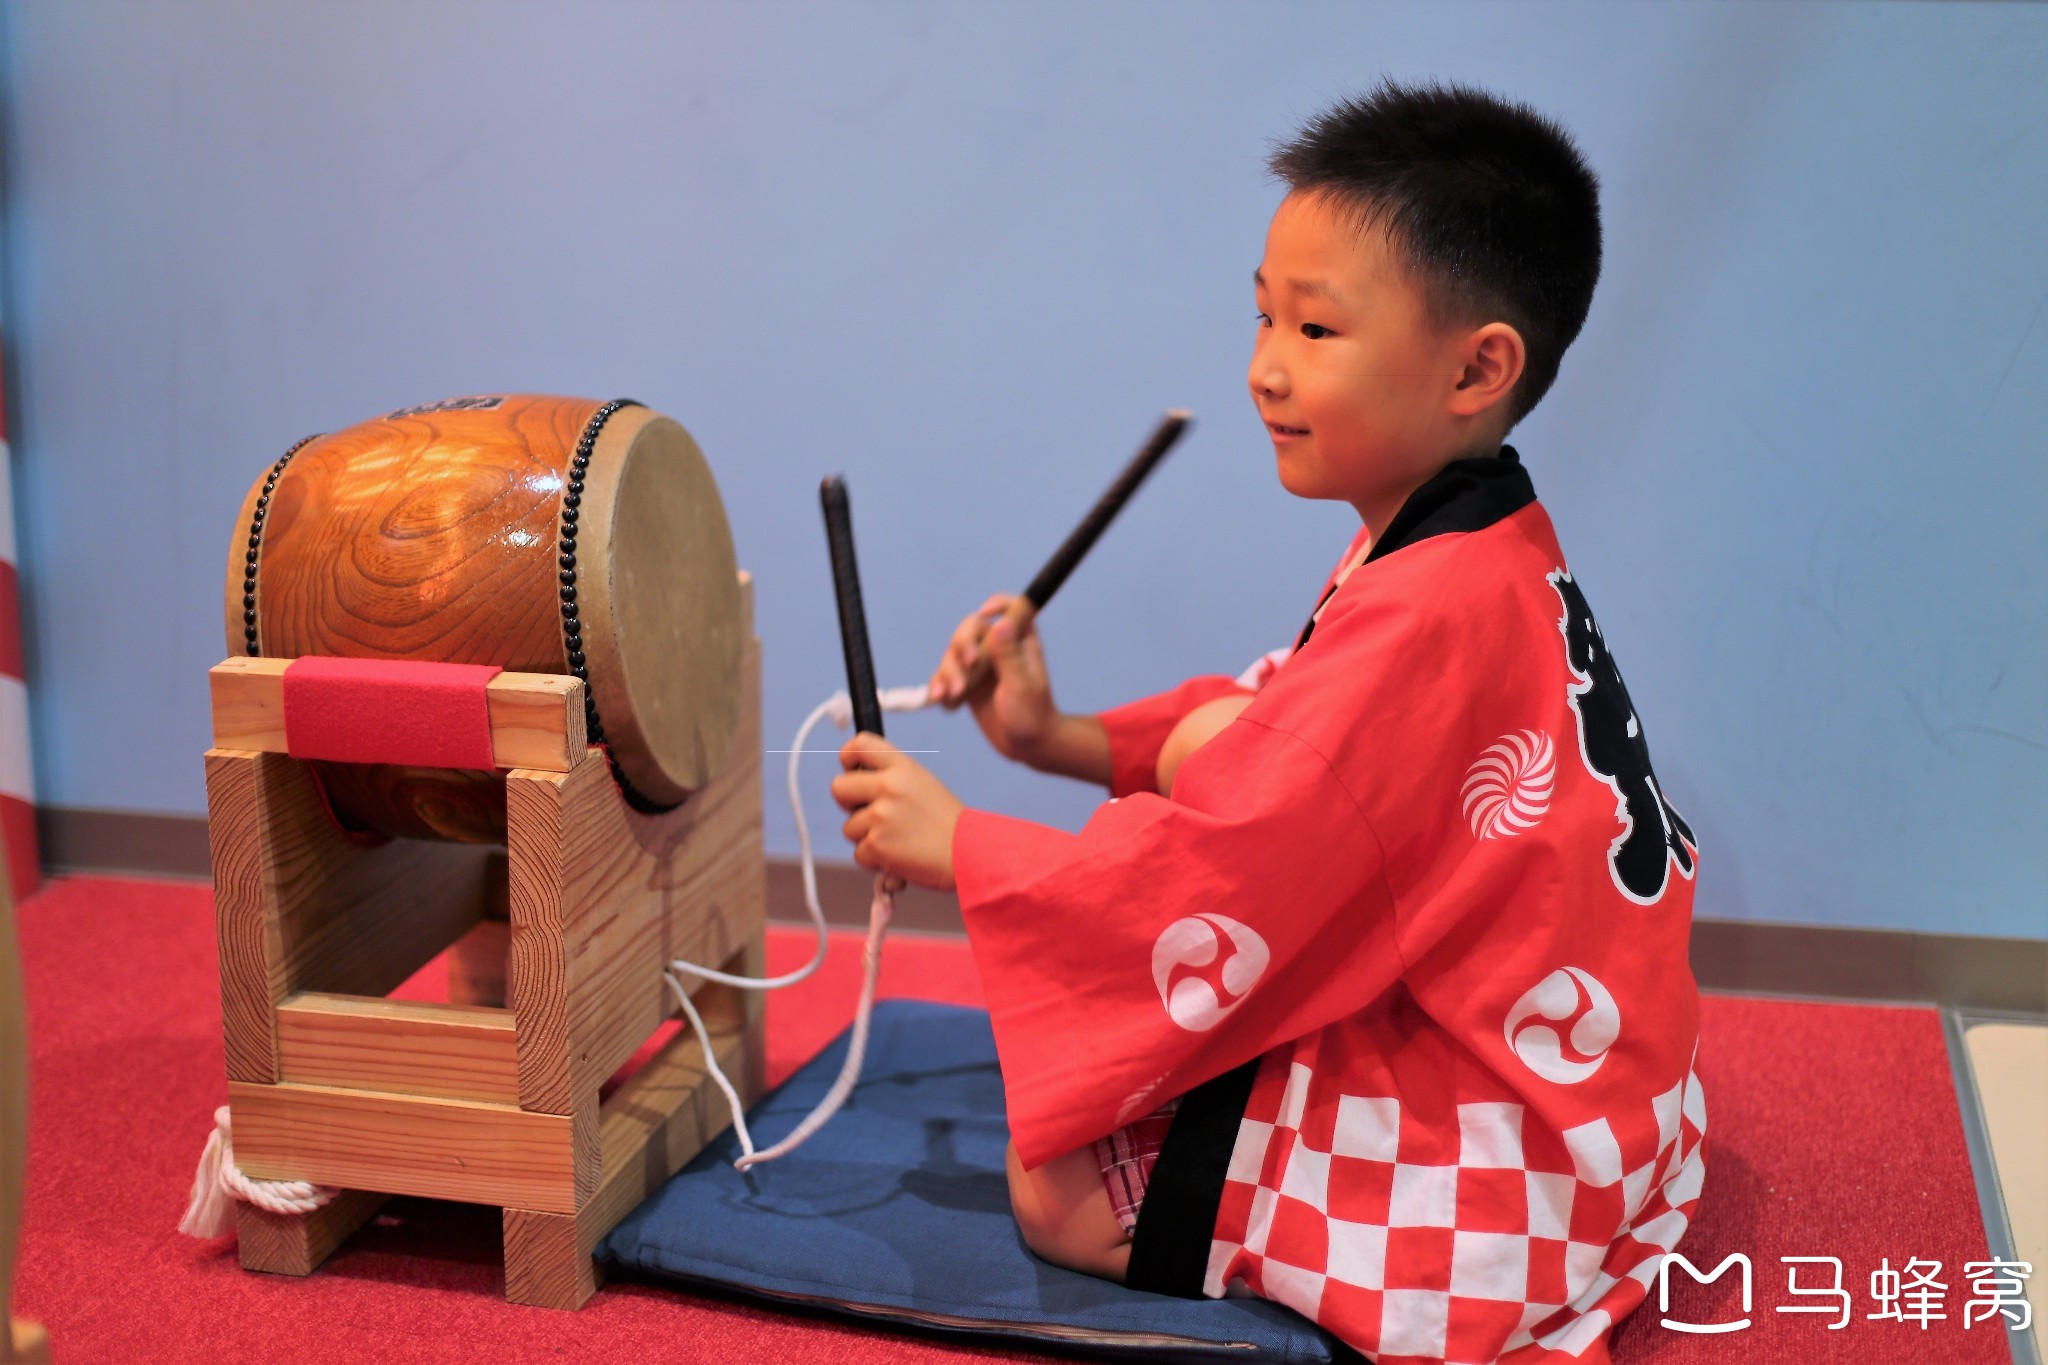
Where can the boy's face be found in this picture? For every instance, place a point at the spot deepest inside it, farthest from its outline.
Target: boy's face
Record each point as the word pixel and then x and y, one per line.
pixel 1352 381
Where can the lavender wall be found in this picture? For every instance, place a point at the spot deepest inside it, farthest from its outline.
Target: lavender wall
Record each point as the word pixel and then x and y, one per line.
pixel 967 253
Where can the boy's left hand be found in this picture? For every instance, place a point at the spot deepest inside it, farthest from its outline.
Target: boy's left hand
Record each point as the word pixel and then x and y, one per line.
pixel 903 817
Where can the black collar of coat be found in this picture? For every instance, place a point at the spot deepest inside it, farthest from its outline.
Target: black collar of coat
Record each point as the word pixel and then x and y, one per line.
pixel 1465 495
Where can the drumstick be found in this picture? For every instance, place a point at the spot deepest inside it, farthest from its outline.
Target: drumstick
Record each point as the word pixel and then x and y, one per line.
pixel 1083 537
pixel 853 621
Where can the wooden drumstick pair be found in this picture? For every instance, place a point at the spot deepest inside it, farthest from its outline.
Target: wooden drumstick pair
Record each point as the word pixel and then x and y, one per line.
pixel 853 630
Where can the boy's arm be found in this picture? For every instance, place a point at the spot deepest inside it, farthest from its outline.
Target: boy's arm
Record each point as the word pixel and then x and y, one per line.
pixel 1073 746
pixel 1134 733
pixel 1118 749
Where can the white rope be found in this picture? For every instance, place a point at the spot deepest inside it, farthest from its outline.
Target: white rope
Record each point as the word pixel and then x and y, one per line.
pixel 219 1181
pixel 839 709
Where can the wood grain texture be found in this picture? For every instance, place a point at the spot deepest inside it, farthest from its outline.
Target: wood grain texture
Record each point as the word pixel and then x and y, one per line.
pixel 296 1244
pixel 406 802
pixel 437 535
pixel 752 1077
pixel 546 1265
pixel 603 897
pixel 406 1144
pixel 24 1340
pixel 429 536
pixel 663 1115
pixel 299 907
pixel 536 718
pixel 247 938
pixel 652 1126
pixel 477 965
pixel 728 1009
pixel 412 1047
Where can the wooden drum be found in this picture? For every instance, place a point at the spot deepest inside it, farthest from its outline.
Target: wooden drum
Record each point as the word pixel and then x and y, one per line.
pixel 545 535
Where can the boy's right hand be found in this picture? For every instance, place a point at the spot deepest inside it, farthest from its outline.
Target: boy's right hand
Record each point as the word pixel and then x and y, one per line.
pixel 1013 703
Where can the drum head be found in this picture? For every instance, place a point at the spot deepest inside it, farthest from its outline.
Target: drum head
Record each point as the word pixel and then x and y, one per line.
pixel 661 610
pixel 440 533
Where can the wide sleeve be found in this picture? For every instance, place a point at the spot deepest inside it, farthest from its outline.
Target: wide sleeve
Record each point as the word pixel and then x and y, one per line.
pixel 1138 730
pixel 1170 940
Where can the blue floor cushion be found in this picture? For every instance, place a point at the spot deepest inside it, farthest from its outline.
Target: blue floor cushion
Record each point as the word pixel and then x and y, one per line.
pixel 898 1211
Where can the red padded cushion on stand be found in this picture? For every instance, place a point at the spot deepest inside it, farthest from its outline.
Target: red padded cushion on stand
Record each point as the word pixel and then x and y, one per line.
pixel 389 711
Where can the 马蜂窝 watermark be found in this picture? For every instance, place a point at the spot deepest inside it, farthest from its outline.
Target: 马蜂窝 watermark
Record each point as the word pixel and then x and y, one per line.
pixel 1912 1294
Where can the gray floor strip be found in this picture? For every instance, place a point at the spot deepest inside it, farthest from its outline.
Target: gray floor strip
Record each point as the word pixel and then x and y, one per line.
pixel 1990 1200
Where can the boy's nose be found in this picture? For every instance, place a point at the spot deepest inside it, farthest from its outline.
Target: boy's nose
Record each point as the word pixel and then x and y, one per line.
pixel 1267 379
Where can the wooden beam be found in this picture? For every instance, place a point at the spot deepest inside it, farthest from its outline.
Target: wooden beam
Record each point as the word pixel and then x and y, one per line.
pixel 651 1127
pixel 296 1243
pixel 536 718
pixel 546 1263
pixel 602 897
pixel 664 1114
pixel 477 965
pixel 402 1144
pixel 248 938
pixel 301 908
pixel 410 1047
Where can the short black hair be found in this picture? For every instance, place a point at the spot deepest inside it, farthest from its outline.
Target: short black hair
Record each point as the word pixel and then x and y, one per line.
pixel 1491 205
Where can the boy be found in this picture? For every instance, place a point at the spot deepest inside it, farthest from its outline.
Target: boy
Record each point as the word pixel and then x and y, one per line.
pixel 1387 938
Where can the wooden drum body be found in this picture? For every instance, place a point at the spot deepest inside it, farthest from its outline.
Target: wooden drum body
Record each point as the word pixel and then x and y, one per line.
pixel 541 534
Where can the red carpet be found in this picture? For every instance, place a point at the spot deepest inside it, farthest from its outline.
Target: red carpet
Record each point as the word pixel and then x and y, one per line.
pixel 1833 1131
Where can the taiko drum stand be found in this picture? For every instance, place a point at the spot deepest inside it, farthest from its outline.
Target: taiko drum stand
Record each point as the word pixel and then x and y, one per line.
pixel 561 939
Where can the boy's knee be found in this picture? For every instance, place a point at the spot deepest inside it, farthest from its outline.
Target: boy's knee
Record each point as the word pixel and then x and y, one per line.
pixel 1027 1205
pixel 1063 1214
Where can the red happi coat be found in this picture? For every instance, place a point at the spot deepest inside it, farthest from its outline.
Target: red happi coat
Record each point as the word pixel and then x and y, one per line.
pixel 1429 882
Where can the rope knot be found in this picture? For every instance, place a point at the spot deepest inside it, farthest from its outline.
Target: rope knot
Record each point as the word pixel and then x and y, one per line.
pixel 219 1182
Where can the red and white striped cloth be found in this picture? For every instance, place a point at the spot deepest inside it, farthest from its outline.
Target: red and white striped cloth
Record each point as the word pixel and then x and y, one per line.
pixel 17 779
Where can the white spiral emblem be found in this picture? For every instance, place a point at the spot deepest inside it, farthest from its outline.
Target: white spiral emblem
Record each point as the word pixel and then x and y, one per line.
pixel 1508 789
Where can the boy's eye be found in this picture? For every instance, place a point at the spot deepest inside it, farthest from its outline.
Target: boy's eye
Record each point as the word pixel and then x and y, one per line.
pixel 1263 320
pixel 1315 331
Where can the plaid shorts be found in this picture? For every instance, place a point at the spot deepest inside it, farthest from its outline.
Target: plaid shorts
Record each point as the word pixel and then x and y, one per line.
pixel 1128 1156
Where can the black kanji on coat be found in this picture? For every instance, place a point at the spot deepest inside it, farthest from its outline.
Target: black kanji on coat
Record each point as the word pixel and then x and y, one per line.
pixel 1653 836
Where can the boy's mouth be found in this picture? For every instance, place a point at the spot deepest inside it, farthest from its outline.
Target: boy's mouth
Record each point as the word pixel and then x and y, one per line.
pixel 1282 430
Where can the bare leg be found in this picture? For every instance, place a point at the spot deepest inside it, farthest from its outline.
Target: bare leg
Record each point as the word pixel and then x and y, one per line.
pixel 1063 1210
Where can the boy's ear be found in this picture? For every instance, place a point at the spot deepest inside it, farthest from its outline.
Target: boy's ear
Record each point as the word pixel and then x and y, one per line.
pixel 1489 361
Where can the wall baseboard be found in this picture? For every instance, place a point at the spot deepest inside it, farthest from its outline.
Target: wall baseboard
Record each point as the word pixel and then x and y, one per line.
pixel 1753 957
pixel 136 843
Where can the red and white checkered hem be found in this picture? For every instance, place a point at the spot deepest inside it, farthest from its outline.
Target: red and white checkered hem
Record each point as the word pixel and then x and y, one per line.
pixel 1531 1246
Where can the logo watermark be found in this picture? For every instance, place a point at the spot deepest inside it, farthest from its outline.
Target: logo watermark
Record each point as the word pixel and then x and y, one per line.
pixel 1914 1293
